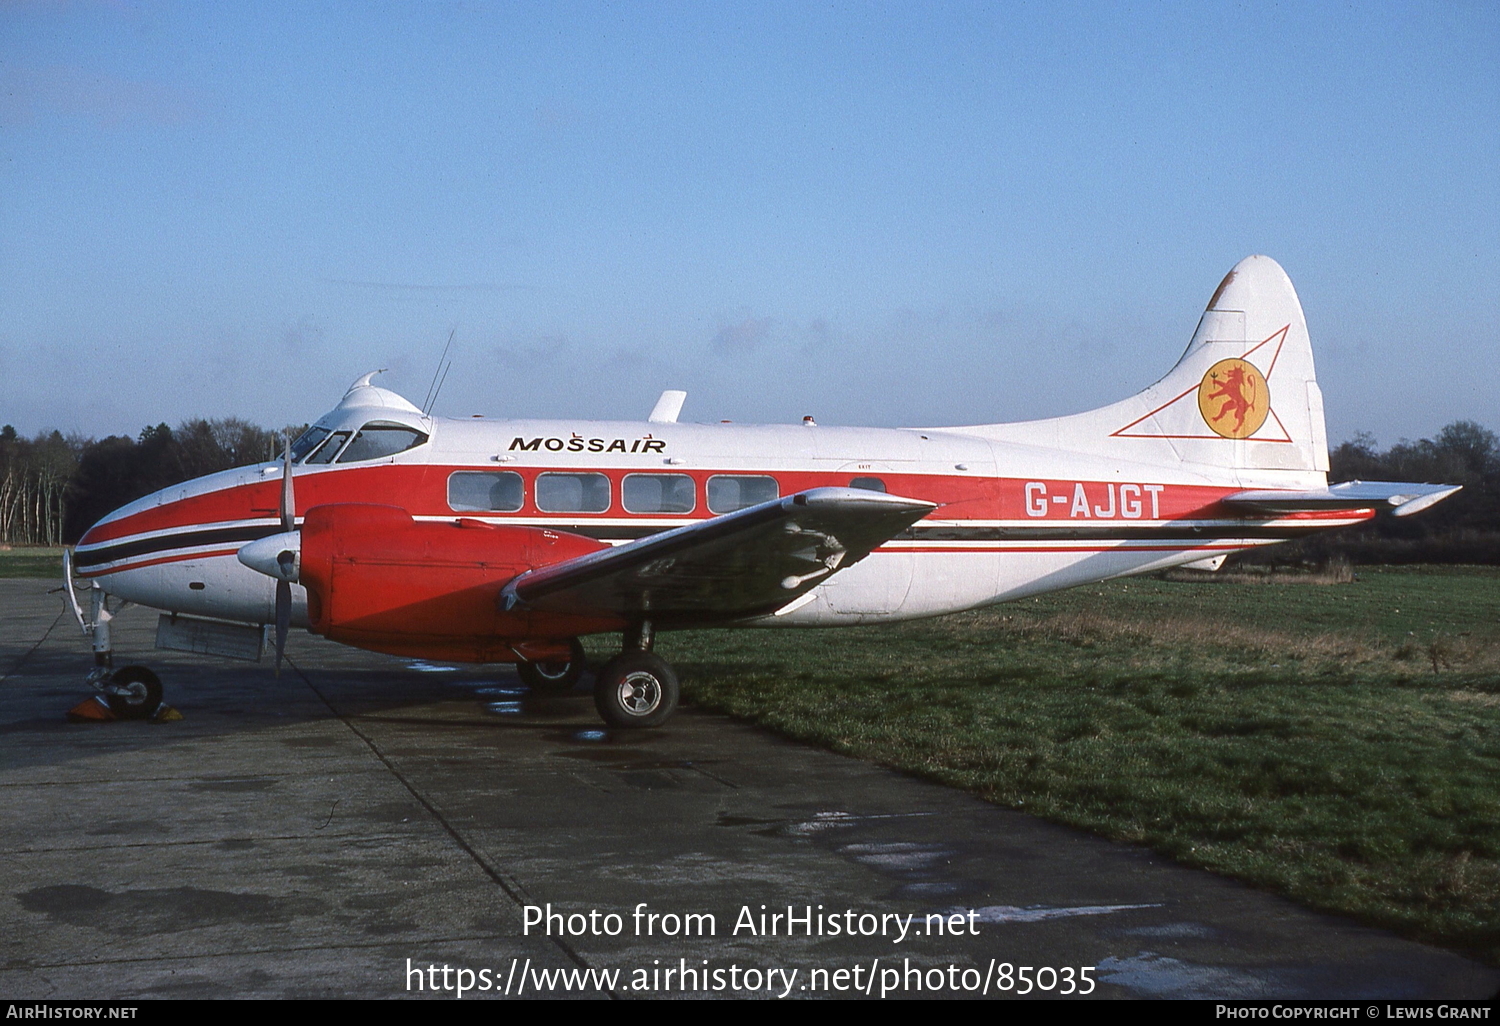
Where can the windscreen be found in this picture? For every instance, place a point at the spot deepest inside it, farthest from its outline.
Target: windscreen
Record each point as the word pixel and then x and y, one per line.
pixel 307 441
pixel 376 440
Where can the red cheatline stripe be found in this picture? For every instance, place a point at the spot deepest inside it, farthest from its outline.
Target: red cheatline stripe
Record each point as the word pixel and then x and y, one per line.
pixel 1083 548
pixel 153 562
pixel 1029 548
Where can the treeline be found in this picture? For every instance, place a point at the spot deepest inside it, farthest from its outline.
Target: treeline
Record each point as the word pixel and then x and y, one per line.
pixel 1461 529
pixel 54 487
pixel 35 476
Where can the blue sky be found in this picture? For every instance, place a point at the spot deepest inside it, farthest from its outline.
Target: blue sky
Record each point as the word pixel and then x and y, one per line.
pixel 903 214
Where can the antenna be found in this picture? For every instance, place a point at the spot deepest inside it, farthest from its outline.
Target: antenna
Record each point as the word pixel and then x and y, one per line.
pixel 431 397
pixel 440 386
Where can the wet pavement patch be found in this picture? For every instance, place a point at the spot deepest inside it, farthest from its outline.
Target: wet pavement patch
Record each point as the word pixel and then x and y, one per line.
pixel 128 826
pixel 246 785
pixel 311 742
pixel 139 913
pixel 1153 975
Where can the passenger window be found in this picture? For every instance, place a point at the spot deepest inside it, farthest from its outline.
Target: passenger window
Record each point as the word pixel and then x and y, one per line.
pixel 482 491
pixel 658 493
pixel 869 484
pixel 572 493
pixel 307 441
pixel 729 492
pixel 376 440
pixel 329 449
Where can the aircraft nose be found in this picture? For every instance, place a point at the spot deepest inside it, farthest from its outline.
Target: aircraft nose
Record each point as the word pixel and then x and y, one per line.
pixel 277 555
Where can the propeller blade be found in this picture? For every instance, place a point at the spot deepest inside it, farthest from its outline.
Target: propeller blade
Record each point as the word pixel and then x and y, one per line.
pixel 277 555
pixel 288 500
pixel 283 619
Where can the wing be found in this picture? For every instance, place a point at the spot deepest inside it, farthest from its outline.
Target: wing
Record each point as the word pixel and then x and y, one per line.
pixel 1402 497
pixel 742 564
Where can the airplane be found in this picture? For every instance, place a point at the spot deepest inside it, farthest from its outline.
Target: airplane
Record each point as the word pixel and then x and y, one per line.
pixel 505 541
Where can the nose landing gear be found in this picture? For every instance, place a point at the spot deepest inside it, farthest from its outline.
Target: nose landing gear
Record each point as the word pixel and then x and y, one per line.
pixel 129 693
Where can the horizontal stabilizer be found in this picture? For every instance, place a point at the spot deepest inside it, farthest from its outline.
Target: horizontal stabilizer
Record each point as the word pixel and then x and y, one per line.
pixel 738 565
pixel 1403 498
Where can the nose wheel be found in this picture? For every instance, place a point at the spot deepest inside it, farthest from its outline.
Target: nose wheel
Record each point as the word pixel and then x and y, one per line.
pixel 133 693
pixel 636 689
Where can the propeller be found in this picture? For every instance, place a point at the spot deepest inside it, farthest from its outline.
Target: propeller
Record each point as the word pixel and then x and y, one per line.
pixel 286 560
pixel 279 556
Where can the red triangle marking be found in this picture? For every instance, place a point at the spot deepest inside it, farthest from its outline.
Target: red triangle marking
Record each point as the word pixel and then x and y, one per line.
pixel 1133 423
pixel 1279 336
pixel 1276 355
pixel 1286 436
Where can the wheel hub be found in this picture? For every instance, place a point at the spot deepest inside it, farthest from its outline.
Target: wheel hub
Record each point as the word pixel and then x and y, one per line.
pixel 640 693
pixel 135 692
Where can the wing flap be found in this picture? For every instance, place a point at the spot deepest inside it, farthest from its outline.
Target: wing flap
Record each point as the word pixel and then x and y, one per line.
pixel 747 563
pixel 1403 498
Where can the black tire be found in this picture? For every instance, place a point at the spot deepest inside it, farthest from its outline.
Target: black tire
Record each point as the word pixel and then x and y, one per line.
pixel 554 678
pixel 636 689
pixel 133 693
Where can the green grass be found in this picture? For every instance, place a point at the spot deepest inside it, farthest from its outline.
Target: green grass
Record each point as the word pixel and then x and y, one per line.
pixel 31 561
pixel 1339 744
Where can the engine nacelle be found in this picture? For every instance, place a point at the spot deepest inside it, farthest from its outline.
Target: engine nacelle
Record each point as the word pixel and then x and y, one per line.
pixel 379 580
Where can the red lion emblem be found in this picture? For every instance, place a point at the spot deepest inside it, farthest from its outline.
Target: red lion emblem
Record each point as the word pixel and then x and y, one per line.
pixel 1240 393
pixel 1244 396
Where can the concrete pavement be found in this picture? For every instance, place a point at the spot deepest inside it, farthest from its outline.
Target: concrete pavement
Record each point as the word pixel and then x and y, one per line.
pixel 308 836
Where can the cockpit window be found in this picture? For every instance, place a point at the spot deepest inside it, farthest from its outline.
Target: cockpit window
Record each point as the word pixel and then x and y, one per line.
pixel 378 439
pixel 307 441
pixel 329 449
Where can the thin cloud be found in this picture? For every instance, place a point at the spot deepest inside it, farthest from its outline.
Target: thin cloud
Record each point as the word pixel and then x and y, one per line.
pixel 302 336
pixel 398 286
pixel 746 336
pixel 546 349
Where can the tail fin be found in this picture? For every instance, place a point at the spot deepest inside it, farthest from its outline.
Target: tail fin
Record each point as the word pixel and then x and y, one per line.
pixel 1243 398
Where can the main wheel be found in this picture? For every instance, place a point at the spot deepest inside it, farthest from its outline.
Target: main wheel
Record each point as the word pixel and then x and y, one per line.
pixel 636 689
pixel 133 693
pixel 554 677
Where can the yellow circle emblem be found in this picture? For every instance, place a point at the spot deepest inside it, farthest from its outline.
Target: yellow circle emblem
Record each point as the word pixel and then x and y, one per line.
pixel 1234 398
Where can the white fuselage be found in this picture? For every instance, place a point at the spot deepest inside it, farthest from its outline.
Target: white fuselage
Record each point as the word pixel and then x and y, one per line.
pixel 1012 519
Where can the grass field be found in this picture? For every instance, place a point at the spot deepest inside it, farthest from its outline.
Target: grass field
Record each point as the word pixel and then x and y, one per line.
pixel 32 562
pixel 1339 744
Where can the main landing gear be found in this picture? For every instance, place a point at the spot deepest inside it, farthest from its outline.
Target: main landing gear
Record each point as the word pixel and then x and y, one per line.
pixel 555 677
pixel 636 688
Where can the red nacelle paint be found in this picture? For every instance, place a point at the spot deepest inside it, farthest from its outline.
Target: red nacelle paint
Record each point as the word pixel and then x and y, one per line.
pixel 379 580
